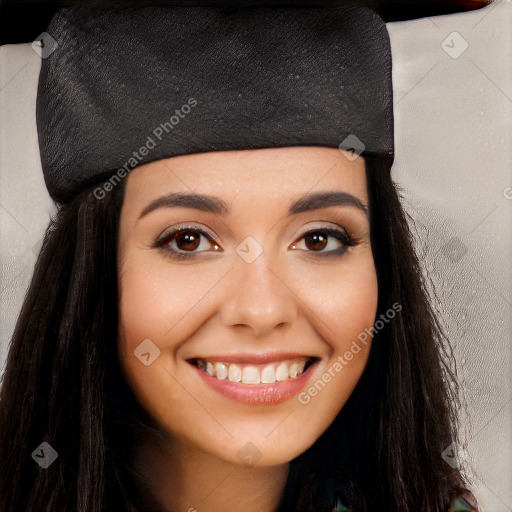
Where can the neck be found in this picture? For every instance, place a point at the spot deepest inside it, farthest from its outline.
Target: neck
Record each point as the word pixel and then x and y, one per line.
pixel 180 478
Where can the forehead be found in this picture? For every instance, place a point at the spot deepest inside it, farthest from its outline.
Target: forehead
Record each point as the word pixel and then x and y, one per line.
pixel 257 174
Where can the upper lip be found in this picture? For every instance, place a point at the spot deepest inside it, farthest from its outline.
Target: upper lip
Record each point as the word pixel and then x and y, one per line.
pixel 254 358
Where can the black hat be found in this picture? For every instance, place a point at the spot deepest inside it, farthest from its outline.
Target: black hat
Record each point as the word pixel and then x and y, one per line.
pixel 127 86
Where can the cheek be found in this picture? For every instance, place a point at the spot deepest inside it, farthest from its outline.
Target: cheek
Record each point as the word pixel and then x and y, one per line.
pixel 153 309
pixel 345 301
pixel 345 306
pixel 156 303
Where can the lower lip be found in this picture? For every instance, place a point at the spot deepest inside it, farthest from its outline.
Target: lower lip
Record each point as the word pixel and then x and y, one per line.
pixel 255 394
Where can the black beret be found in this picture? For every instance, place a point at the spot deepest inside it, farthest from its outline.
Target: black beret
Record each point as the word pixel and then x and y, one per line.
pixel 127 86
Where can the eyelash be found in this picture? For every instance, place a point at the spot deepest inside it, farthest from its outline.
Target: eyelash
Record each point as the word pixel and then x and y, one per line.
pixel 342 236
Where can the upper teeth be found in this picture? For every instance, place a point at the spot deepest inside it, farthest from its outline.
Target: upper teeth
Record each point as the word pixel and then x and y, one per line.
pixel 254 373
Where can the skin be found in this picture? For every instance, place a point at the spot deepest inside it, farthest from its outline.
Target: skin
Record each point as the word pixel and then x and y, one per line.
pixel 291 298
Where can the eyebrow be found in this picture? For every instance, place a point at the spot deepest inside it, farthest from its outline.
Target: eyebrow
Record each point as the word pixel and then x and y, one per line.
pixel 306 203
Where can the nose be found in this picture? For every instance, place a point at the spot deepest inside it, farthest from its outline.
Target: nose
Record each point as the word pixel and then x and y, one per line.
pixel 259 297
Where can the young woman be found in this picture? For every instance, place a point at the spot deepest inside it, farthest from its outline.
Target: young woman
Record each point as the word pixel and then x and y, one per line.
pixel 227 329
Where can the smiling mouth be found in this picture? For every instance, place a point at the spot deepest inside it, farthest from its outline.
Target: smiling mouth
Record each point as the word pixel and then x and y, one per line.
pixel 252 374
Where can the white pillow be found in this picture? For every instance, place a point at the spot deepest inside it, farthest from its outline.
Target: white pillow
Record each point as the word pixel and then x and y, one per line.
pixel 452 79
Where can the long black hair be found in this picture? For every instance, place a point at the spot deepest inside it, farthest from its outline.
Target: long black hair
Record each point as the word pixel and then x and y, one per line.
pixel 63 385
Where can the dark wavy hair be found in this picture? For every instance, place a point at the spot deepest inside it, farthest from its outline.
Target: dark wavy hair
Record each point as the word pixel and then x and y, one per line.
pixel 63 385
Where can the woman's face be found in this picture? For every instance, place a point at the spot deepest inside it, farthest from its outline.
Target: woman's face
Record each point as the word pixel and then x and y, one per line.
pixel 242 295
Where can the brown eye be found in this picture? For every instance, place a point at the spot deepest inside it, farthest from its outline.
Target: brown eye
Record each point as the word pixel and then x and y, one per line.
pixel 187 240
pixel 315 241
pixel 318 240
